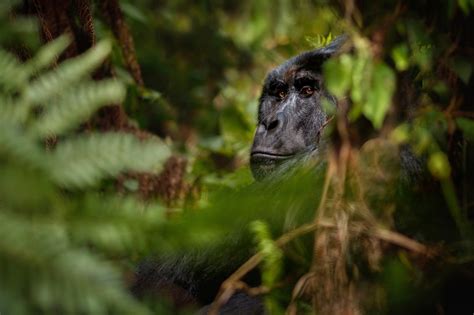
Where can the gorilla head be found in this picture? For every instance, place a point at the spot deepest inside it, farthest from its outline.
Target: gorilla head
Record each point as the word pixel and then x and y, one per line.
pixel 290 113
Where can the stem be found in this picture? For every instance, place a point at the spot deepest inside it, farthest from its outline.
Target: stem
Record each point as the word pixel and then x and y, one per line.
pixel 456 212
pixel 233 283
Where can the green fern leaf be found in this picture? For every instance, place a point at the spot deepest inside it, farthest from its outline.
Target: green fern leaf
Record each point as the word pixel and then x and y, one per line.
pixel 69 72
pixel 48 54
pixel 86 160
pixel 11 112
pixel 19 148
pixel 116 228
pixel 76 105
pixel 12 74
pixel 55 272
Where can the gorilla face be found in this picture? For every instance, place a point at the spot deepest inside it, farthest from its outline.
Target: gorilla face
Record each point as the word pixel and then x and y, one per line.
pixel 290 114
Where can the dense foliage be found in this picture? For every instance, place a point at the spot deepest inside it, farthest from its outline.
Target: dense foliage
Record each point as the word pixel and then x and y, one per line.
pixel 356 231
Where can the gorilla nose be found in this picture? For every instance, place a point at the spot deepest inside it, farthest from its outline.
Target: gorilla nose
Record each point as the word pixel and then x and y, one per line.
pixel 274 123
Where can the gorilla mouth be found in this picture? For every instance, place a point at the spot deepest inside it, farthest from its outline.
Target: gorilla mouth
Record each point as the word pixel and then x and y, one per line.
pixel 264 163
pixel 269 155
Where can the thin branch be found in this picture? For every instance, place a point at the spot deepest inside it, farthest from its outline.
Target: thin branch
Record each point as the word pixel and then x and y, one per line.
pixel 401 241
pixel 460 113
pixel 327 180
pixel 116 20
pixel 300 287
pixel 233 283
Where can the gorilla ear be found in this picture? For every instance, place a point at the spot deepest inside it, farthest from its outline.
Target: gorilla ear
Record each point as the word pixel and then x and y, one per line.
pixel 314 58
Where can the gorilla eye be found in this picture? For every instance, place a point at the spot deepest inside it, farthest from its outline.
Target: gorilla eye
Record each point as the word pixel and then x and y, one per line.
pixel 282 94
pixel 307 90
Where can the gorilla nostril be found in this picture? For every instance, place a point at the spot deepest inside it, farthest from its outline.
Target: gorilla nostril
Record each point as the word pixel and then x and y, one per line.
pixel 272 125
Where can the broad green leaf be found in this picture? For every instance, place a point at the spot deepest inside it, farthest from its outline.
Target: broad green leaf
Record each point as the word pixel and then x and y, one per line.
pixel 337 73
pixel 467 126
pixel 401 134
pixel 400 56
pixel 466 6
pixel 360 75
pixel 380 95
pixel 438 165
pixel 463 69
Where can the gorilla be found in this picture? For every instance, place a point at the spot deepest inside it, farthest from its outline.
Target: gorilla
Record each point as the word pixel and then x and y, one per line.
pixel 290 122
pixel 290 114
pixel 290 125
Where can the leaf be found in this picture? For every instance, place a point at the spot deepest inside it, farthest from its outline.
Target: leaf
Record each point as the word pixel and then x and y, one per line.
pixel 380 94
pixel 122 224
pixel 360 72
pixel 400 56
pixel 69 72
pixel 86 160
pixel 55 271
pixel 438 165
pixel 467 127
pixel 337 73
pixel 401 134
pixel 20 148
pixel 319 40
pixel 76 105
pixel 272 255
pixel 463 68
pixel 134 12
pixel 465 6
pixel 12 74
pixel 48 54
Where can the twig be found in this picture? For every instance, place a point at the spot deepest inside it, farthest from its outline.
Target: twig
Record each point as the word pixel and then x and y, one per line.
pixel 233 283
pixel 460 113
pixel 327 180
pixel 400 240
pixel 230 286
pixel 300 287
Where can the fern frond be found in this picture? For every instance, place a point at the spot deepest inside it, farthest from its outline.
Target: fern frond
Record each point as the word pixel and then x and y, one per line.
pixel 46 262
pixel 100 285
pixel 120 225
pixel 10 111
pixel 54 273
pixel 48 54
pixel 71 71
pixel 76 105
pixel 85 160
pixel 27 191
pixel 15 145
pixel 12 74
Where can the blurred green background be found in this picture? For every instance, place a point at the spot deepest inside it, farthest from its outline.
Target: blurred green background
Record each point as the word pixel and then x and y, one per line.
pixel 81 209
